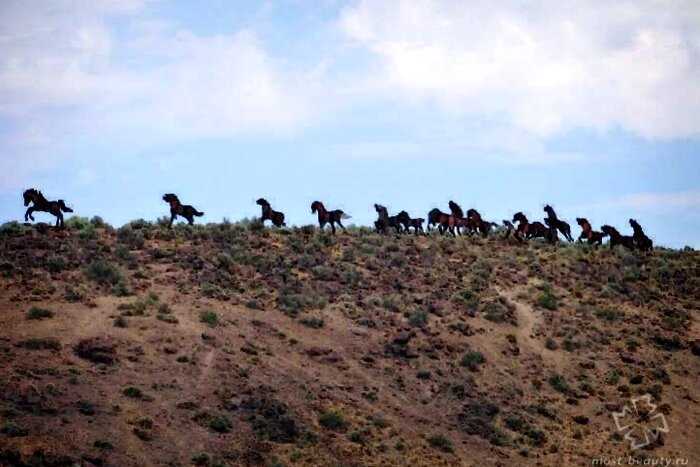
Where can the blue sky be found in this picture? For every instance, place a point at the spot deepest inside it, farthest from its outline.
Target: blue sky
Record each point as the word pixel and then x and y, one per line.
pixel 590 107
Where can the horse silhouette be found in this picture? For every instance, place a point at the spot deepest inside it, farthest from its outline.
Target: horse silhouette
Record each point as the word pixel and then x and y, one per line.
pixel 41 204
pixel 444 221
pixel 642 242
pixel 385 220
pixel 616 238
pixel 268 213
pixel 328 217
pixel 179 209
pixel 555 223
pixel 527 230
pixel 593 237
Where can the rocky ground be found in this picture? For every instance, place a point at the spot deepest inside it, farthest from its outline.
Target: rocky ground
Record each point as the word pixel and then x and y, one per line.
pixel 229 344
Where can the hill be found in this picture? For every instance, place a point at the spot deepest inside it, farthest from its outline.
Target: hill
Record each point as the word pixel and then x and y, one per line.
pixel 229 344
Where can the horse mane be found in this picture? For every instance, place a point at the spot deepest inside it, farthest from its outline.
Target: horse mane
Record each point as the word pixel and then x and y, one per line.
pixel 317 206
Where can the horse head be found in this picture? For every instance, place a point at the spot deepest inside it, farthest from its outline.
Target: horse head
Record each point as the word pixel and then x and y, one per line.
pixel 381 210
pixel 316 206
pixel 455 209
pixel 609 230
pixel 550 210
pixel 635 226
pixel 262 202
pixel 29 195
pixel 473 214
pixel 403 217
pixel 583 222
pixel 519 217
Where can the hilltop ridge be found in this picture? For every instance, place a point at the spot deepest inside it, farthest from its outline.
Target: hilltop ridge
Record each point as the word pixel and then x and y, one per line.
pixel 233 344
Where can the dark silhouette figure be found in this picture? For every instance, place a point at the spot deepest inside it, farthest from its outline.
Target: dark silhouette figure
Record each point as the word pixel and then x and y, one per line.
pixel 593 237
pixel 407 222
pixel 455 209
pixel 268 213
pixel 642 242
pixel 616 238
pixel 386 221
pixel 444 221
pixel 527 230
pixel 179 209
pixel 328 217
pixel 508 227
pixel 554 223
pixel 477 224
pixel 39 203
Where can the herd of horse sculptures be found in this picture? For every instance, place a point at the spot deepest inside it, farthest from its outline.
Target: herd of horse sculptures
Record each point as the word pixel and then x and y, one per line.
pixel 453 223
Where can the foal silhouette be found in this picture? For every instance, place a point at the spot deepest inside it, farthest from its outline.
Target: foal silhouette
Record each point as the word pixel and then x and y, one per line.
pixel 179 209
pixel 268 213
pixel 328 217
pixel 40 203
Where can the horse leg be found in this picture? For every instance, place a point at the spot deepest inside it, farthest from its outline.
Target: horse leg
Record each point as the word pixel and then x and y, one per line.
pixel 172 219
pixel 341 225
pixel 28 214
pixel 332 227
pixel 190 220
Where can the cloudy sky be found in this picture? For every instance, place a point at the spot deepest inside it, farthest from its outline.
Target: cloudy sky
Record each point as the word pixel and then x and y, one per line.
pixel 590 106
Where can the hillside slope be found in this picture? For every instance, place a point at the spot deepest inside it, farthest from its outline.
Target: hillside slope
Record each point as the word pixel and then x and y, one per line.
pixel 234 345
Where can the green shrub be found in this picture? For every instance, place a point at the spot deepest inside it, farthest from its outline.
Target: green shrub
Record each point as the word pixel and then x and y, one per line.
pixel 472 360
pixel 209 317
pixel 558 382
pixel 608 314
pixel 546 299
pixel 103 272
pixel 312 322
pixel 133 392
pixel 418 319
pixel 220 424
pixel 39 313
pixel 55 264
pixel 441 442
pixel 333 420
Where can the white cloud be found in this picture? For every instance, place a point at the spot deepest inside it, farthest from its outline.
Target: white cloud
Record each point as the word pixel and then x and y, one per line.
pixel 69 58
pixel 545 67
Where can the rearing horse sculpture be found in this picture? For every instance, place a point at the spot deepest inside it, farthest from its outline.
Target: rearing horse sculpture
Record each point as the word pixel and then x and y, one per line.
pixel 40 203
pixel 328 217
pixel 276 217
pixel 554 223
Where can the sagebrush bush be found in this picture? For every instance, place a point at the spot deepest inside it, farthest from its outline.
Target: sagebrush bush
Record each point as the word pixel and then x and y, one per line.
pixel 103 272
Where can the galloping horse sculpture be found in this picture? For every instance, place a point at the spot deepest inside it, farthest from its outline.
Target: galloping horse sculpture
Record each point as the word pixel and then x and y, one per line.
pixel 593 237
pixel 616 238
pixel 268 213
pixel 41 204
pixel 179 209
pixel 527 230
pixel 328 217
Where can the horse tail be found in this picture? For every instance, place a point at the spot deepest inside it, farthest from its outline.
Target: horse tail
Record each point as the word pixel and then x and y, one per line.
pixel 198 214
pixel 344 216
pixel 62 205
